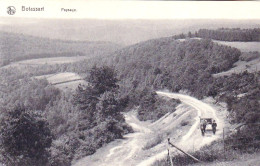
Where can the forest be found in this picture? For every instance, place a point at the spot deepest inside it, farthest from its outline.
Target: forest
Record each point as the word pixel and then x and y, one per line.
pixel 227 34
pixel 45 125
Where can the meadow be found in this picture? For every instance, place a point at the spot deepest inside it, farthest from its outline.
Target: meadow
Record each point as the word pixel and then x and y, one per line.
pixel 243 46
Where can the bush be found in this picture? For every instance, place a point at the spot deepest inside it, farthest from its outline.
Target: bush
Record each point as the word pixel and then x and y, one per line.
pixel 25 137
pixel 206 154
pixel 152 107
pixel 60 153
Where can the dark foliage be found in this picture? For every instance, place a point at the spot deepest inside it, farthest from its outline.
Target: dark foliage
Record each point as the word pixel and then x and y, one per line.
pixel 241 93
pixel 25 137
pixel 102 79
pixel 20 89
pixel 90 118
pixel 226 34
pixel 153 107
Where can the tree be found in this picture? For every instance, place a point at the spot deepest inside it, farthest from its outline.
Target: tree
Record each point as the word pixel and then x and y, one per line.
pixel 102 79
pixel 147 104
pixel 108 107
pixel 189 35
pixel 25 137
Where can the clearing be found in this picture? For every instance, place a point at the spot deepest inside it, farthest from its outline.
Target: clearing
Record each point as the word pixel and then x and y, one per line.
pixel 64 81
pixel 243 46
pixel 148 143
pixel 46 61
pixel 241 66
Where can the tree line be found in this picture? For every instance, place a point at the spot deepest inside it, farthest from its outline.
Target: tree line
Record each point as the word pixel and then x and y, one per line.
pixel 230 34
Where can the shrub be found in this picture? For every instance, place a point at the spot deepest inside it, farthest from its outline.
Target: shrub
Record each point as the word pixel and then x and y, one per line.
pixel 25 137
pixel 60 153
pixel 152 107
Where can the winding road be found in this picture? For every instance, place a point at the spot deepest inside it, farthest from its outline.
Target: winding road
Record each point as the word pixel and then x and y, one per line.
pixel 131 150
pixel 205 111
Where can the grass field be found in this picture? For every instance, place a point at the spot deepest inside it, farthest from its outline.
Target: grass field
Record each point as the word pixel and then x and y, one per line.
pixel 64 81
pixel 243 46
pixel 49 61
pixel 241 66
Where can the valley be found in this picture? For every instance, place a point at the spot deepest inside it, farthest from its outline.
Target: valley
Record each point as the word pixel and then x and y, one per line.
pixel 98 103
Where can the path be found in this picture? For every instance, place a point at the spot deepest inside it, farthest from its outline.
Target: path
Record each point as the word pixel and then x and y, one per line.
pixel 131 151
pixel 204 110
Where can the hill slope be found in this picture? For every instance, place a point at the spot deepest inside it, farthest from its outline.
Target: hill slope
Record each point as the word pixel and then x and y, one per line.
pixel 16 47
pixel 168 63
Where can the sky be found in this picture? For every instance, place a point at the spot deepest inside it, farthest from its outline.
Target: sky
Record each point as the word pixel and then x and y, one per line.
pixel 135 9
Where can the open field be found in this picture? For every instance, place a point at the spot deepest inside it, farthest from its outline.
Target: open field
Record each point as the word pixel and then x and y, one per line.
pixel 241 66
pixel 64 81
pixel 243 46
pixel 60 77
pixel 48 61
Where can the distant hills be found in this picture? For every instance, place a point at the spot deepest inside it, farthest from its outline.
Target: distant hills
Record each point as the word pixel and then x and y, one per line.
pixel 16 47
pixel 125 32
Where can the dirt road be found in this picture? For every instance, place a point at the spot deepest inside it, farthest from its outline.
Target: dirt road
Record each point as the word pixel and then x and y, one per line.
pixel 204 110
pixel 148 143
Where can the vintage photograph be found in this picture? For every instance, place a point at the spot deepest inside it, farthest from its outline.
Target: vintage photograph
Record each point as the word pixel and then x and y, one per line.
pixel 129 83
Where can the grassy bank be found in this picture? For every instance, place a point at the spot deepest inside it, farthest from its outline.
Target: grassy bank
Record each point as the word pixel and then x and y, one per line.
pixel 212 154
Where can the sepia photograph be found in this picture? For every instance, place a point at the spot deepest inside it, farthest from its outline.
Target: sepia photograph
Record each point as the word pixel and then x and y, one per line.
pixel 129 83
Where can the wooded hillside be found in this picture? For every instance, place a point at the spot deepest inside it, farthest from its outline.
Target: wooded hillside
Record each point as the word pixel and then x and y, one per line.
pixel 16 47
pixel 226 34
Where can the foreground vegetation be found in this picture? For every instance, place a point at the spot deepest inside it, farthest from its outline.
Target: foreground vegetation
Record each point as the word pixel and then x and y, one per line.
pixel 209 154
pixel 54 127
